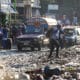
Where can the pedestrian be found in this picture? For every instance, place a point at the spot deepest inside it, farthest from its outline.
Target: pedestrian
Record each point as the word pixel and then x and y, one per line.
pixel 23 28
pixel 53 34
pixel 65 20
pixel 61 35
pixel 5 37
pixel 14 32
pixel 1 35
pixel 75 20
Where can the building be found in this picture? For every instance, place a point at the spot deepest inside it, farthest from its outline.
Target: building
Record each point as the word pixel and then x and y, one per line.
pixel 6 10
pixel 27 8
pixel 68 7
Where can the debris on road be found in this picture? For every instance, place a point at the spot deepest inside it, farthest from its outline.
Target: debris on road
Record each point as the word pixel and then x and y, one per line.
pixel 21 62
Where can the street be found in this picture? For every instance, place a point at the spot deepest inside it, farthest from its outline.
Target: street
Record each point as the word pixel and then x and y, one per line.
pixel 14 61
pixel 39 40
pixel 26 59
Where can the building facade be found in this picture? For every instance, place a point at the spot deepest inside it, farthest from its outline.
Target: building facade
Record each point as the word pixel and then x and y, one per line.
pixel 6 10
pixel 27 8
pixel 68 7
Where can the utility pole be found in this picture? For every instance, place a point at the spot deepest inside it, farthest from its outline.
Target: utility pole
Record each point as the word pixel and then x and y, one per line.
pixel 15 8
pixel 9 15
pixel 0 10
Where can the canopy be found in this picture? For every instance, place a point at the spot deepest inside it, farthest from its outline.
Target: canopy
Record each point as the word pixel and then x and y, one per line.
pixel 50 21
pixel 5 8
pixel 42 20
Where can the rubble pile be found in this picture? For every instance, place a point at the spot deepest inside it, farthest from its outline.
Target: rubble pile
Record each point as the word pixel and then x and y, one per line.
pixel 69 61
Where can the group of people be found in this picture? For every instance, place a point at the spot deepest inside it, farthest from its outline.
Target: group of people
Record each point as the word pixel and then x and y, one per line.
pixel 9 34
pixel 67 21
pixel 55 34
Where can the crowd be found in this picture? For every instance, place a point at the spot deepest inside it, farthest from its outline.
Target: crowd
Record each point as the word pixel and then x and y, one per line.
pixel 65 20
pixel 8 34
pixel 55 35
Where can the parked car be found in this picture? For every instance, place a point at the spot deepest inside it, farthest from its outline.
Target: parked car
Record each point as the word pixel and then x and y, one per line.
pixel 71 35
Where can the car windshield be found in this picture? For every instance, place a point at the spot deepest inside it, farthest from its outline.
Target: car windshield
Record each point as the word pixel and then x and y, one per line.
pixel 69 32
pixel 33 30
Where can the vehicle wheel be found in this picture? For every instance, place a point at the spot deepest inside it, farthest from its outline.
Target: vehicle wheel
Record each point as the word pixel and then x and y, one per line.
pixel 19 48
pixel 32 48
pixel 39 48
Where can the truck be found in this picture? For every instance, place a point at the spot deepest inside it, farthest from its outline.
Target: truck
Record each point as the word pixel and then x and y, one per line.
pixel 35 33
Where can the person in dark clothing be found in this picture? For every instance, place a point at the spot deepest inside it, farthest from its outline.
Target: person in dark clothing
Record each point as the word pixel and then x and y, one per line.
pixel 1 35
pixel 23 28
pixel 53 44
pixel 14 32
pixel 5 36
pixel 61 35
pixel 53 35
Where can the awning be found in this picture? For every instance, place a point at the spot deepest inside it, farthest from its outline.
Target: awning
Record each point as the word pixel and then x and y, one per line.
pixel 50 21
pixel 8 9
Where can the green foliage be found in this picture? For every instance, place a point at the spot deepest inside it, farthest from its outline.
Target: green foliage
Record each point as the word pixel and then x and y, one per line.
pixel 3 19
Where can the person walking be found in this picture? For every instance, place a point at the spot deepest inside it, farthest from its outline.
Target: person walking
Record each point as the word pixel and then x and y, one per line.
pixel 23 28
pixel 61 35
pixel 75 20
pixel 53 34
pixel 65 20
pixel 14 32
pixel 5 37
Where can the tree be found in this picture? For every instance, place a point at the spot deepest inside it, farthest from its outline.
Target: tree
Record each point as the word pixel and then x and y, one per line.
pixel 3 19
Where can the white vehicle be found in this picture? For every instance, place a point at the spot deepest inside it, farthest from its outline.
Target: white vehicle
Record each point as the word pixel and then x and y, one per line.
pixel 72 34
